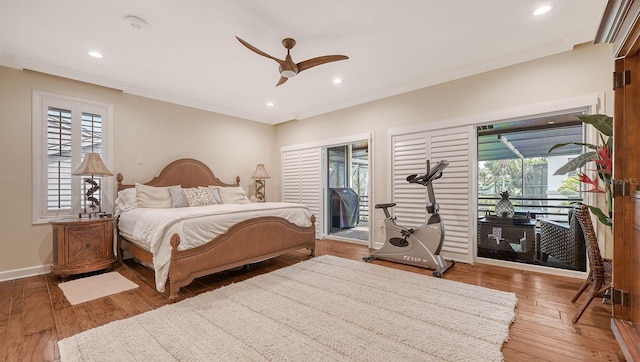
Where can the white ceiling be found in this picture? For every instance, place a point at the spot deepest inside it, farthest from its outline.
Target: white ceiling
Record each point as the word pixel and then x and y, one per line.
pixel 188 53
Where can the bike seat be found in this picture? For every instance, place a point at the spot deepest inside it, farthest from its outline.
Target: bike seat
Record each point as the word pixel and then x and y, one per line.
pixel 384 206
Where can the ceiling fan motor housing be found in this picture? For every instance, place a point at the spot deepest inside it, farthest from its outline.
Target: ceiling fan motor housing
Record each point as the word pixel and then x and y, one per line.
pixel 289 70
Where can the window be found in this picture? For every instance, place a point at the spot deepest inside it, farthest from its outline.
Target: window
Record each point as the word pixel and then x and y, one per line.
pixel 64 130
pixel 514 156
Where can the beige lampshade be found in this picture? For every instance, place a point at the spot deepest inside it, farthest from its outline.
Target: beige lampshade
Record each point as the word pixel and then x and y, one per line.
pixel 92 165
pixel 260 173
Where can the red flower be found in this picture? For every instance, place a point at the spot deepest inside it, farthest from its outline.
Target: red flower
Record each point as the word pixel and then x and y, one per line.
pixel 594 182
pixel 605 162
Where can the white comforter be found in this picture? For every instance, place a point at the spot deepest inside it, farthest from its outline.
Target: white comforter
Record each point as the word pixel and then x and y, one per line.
pixel 153 228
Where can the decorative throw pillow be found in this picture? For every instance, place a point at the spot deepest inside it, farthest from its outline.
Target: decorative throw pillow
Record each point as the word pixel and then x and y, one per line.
pixel 126 199
pixel 153 197
pixel 200 196
pixel 177 197
pixel 233 195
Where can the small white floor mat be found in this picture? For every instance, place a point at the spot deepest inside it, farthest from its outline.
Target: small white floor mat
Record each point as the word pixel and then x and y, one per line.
pixel 94 287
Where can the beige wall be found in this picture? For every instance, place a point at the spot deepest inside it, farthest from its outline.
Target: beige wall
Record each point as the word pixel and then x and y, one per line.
pixel 158 131
pixel 161 132
pixel 585 70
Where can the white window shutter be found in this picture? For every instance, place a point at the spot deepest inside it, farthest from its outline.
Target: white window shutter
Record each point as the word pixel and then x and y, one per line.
pixel 454 189
pixel 409 156
pixel 301 176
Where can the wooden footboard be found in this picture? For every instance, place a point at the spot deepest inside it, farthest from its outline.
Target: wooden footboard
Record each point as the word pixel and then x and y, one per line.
pixel 247 242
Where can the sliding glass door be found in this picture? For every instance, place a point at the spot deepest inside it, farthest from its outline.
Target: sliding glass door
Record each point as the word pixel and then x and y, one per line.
pixel 347 203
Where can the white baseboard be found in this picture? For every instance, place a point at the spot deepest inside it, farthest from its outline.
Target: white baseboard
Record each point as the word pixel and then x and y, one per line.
pixel 25 272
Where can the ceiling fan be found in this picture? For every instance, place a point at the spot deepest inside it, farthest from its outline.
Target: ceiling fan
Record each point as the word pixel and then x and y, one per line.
pixel 289 69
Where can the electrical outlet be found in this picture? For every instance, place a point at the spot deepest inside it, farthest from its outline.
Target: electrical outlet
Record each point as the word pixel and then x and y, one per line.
pixel 140 160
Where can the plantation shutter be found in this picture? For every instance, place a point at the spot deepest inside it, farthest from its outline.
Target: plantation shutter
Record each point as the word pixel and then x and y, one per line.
pixel 409 156
pixel 61 132
pixel 301 176
pixel 453 190
pixel 59 160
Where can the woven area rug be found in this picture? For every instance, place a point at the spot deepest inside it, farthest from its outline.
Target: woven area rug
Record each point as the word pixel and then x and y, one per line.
pixel 323 309
pixel 97 286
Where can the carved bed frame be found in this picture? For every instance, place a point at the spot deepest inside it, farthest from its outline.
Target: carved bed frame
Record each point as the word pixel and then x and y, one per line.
pixel 247 242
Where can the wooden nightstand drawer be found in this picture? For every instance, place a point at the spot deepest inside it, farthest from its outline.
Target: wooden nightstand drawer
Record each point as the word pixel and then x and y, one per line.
pixel 82 245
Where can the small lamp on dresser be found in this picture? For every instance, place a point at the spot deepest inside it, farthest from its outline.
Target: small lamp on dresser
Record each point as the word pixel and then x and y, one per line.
pixel 92 165
pixel 260 174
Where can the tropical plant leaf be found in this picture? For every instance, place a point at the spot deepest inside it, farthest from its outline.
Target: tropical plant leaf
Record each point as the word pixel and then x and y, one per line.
pixel 609 143
pixel 600 215
pixel 601 122
pixel 588 145
pixel 576 163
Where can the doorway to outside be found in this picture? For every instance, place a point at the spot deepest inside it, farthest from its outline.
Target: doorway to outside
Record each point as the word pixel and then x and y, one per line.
pixel 347 197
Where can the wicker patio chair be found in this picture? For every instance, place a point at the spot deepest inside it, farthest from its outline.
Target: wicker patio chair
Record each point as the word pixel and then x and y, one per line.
pixel 564 242
pixel 599 277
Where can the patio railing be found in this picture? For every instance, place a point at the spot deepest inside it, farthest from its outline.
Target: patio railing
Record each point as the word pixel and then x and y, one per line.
pixel 541 208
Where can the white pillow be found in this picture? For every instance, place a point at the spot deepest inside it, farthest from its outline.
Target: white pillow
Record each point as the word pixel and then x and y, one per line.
pixel 216 194
pixel 177 197
pixel 126 199
pixel 153 197
pixel 233 195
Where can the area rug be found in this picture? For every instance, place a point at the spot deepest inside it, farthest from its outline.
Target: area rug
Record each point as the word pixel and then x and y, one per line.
pixel 323 309
pixel 97 286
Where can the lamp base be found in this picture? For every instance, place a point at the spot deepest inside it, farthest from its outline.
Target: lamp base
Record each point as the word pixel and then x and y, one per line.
pixel 260 191
pixel 92 213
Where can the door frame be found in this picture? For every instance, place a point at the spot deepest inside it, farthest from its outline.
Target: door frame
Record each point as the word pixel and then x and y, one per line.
pixel 620 25
pixel 341 141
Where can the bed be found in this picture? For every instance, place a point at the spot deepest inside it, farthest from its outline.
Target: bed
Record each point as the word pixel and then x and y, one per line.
pixel 262 231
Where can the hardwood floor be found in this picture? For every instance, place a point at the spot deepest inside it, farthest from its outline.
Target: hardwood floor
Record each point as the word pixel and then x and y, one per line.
pixel 34 313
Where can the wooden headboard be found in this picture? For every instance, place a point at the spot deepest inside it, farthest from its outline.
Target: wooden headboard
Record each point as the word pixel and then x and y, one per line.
pixel 186 172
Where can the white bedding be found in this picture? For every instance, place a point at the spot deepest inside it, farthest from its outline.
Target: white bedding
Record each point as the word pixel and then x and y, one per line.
pixel 153 228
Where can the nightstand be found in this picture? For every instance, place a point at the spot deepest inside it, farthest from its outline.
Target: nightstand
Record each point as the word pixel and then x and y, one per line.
pixel 82 245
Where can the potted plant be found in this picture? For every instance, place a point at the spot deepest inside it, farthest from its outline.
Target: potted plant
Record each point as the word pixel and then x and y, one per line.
pixel 601 155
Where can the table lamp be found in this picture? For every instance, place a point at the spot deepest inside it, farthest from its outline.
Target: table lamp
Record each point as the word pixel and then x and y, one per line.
pixel 260 174
pixel 92 165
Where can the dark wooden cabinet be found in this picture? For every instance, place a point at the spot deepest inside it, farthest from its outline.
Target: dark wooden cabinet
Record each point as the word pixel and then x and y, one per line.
pixel 82 245
pixel 507 240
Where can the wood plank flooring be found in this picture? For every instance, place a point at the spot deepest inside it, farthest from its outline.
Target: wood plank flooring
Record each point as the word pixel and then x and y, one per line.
pixel 34 313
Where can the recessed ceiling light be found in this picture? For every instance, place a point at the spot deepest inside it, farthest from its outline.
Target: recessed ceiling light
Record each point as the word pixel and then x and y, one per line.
pixel 551 122
pixel 270 104
pixel 95 54
pixel 337 81
pixel 135 22
pixel 542 10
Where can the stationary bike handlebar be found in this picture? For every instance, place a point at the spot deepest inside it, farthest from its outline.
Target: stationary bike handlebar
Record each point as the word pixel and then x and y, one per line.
pixel 424 180
pixel 431 175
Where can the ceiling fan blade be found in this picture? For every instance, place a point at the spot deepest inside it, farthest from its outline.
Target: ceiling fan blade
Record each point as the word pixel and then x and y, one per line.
pixel 310 63
pixel 282 80
pixel 258 51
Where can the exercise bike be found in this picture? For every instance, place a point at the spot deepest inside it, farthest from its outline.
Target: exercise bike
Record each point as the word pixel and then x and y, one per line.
pixel 418 246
